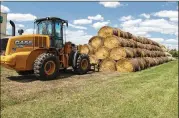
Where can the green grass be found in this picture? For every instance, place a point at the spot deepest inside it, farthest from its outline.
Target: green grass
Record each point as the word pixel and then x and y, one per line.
pixel 151 93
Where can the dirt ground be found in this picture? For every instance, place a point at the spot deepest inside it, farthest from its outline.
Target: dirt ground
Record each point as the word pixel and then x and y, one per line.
pixel 17 86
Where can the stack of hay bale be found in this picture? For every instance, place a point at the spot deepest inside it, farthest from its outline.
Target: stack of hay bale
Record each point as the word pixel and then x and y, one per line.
pixel 114 49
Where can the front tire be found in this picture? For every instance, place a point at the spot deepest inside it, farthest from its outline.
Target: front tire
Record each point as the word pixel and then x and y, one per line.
pixel 46 67
pixel 82 64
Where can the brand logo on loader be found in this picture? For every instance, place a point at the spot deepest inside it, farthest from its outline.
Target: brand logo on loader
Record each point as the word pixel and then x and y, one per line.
pixel 23 43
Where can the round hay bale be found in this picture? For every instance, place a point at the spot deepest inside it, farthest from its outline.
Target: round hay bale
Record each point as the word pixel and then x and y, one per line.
pixel 149 53
pixel 117 53
pixel 146 53
pixel 129 35
pixel 153 54
pixel 150 47
pixel 150 41
pixel 111 42
pixel 105 31
pixel 133 43
pixel 140 45
pixel 140 52
pixel 127 65
pixel 102 53
pixel 108 65
pixel 114 41
pixel 141 63
pixel 147 60
pixel 129 52
pixel 163 54
pixel 121 33
pixel 140 39
pixel 135 52
pixel 121 53
pixel 86 49
pixel 147 46
pixel 123 42
pixel 96 42
pixel 125 35
pixel 167 54
pixel 163 48
pixel 145 40
pixel 93 59
pixel 155 61
pixel 134 37
pixel 144 46
pixel 151 61
pixel 160 60
pixel 108 31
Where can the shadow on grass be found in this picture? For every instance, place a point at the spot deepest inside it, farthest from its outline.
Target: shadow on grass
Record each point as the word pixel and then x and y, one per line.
pixel 30 78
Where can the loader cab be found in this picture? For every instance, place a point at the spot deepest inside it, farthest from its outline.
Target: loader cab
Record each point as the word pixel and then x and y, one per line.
pixel 53 27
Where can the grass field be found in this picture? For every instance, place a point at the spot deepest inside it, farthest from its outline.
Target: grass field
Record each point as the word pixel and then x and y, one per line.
pixel 151 93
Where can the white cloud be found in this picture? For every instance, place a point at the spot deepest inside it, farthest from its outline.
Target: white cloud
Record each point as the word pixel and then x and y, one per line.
pixel 174 19
pixel 78 37
pixel 110 4
pixel 143 28
pixel 159 40
pixel 125 18
pixel 4 9
pixel 115 25
pixel 160 25
pixel 165 13
pixel 97 17
pixel 172 41
pixel 20 17
pixel 176 33
pixel 130 23
pixel 145 15
pixel 82 21
pixel 98 25
pixel 172 15
pixel 77 27
pixel 29 31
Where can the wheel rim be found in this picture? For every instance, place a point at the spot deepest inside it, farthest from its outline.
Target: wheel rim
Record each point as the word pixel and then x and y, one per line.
pixel 49 67
pixel 84 64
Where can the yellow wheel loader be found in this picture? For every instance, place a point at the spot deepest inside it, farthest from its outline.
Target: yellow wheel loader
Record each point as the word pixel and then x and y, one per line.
pixel 43 53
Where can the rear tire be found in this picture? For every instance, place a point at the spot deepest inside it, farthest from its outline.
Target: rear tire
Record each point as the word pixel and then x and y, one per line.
pixel 46 67
pixel 82 64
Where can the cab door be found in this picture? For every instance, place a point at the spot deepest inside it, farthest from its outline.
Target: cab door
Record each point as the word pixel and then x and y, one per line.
pixel 58 35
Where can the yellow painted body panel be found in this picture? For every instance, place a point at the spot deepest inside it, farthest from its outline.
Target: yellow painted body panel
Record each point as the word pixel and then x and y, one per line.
pixel 22 58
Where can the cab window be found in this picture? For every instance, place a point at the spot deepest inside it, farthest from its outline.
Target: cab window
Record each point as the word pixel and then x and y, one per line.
pixel 45 28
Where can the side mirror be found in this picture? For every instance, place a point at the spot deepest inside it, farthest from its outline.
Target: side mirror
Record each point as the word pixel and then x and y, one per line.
pixel 66 23
pixel 20 31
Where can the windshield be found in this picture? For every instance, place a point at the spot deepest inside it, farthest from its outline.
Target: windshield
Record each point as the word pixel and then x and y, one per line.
pixel 44 27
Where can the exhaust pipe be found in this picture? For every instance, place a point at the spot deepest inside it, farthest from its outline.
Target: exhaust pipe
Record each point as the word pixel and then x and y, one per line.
pixel 13 28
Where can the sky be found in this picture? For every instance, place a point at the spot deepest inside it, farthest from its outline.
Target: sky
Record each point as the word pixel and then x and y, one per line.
pixel 155 20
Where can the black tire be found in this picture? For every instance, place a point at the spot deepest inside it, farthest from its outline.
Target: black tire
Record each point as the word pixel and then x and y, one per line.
pixel 39 66
pixel 30 72
pixel 79 69
pixel 72 57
